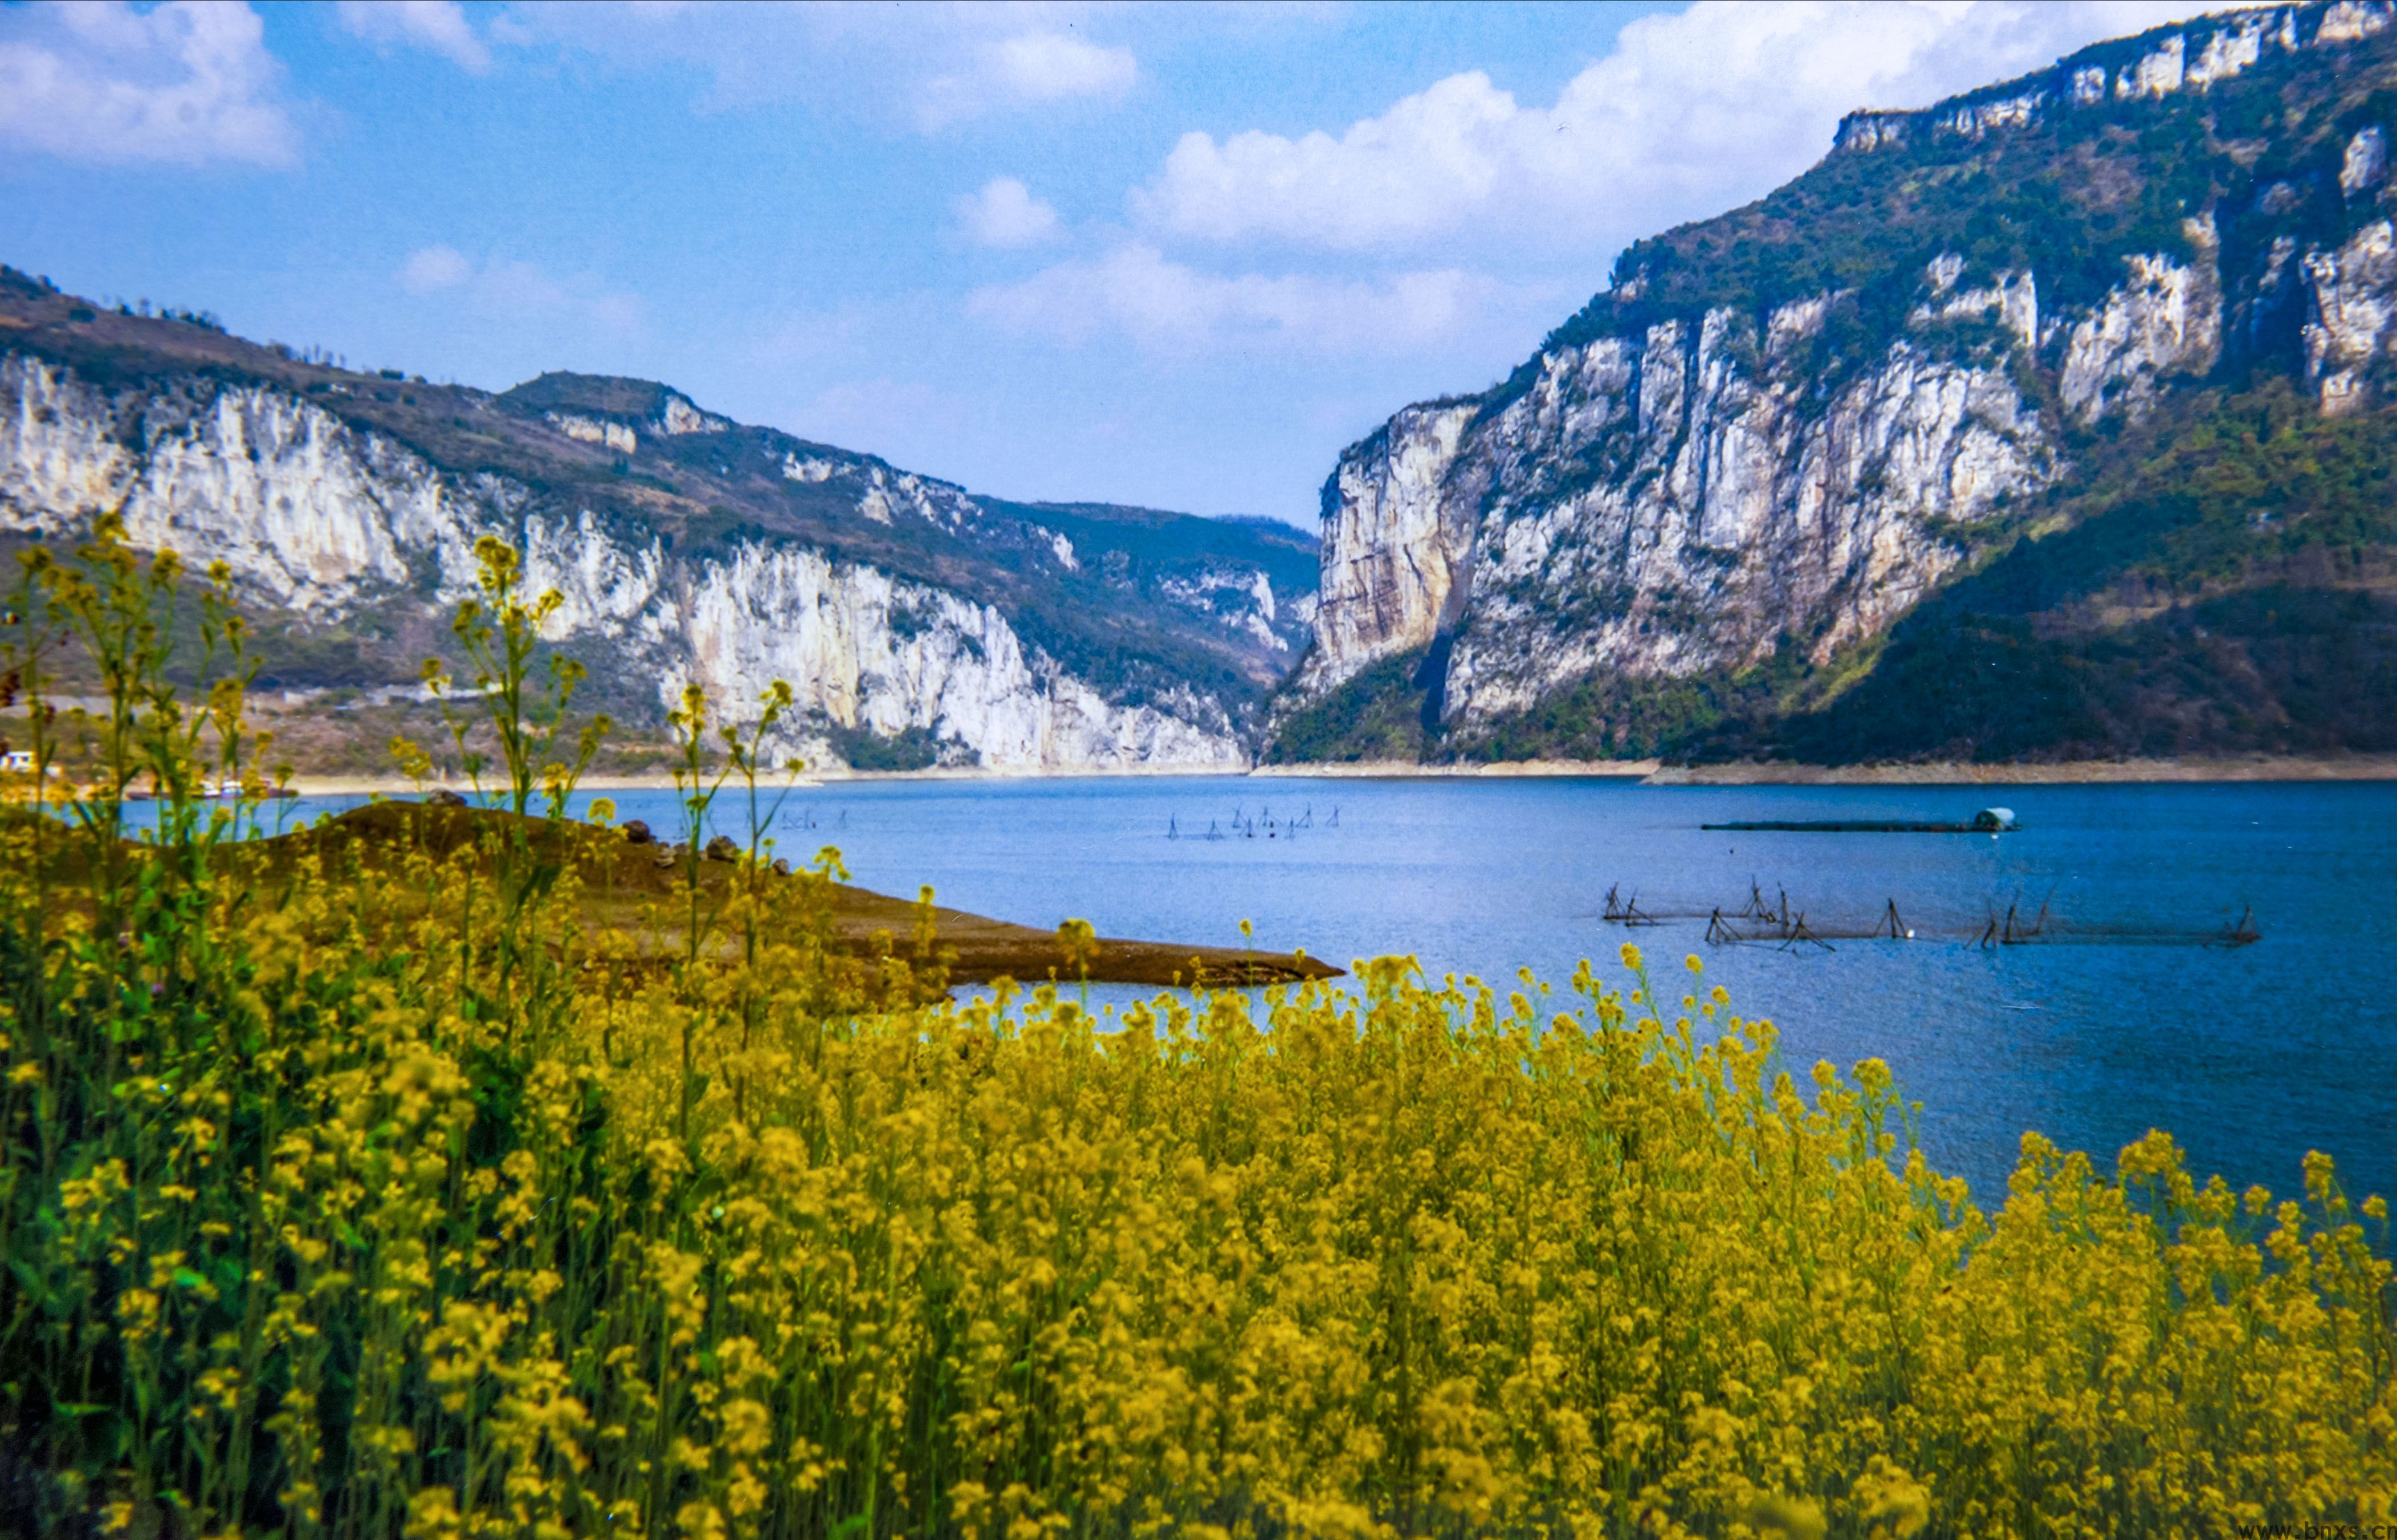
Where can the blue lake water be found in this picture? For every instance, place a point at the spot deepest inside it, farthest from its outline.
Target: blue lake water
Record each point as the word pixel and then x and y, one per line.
pixel 2250 1056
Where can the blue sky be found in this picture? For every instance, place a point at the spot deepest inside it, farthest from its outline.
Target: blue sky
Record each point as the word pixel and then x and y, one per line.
pixel 1178 256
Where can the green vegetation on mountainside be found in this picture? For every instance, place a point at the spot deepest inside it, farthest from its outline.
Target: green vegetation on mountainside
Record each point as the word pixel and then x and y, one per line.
pixel 2233 589
pixel 2223 580
pixel 1378 714
pixel 2219 576
pixel 863 749
pixel 2065 196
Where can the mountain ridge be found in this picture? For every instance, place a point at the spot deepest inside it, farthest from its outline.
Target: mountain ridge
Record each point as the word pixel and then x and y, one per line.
pixel 1782 447
pixel 913 617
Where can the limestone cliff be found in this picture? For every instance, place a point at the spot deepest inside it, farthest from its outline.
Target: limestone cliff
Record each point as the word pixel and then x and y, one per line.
pixel 896 606
pixel 1777 432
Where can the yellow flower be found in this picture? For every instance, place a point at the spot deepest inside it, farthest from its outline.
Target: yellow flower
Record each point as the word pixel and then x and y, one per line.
pixel 594 1206
pixel 1786 1517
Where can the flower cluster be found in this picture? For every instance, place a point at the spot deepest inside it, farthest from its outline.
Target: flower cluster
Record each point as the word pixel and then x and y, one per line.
pixel 416 1188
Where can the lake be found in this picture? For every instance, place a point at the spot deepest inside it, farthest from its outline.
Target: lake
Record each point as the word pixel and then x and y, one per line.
pixel 2115 1021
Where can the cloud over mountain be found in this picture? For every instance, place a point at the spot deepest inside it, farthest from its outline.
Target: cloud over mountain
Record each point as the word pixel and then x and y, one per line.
pixel 1689 110
pixel 1170 306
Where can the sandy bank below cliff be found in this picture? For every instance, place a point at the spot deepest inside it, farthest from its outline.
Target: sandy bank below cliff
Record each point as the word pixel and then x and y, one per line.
pixel 2259 766
pixel 393 785
pixel 1650 772
pixel 1613 769
pixel 2356 767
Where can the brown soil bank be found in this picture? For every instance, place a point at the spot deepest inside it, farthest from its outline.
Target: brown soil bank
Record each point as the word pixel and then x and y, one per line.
pixel 622 882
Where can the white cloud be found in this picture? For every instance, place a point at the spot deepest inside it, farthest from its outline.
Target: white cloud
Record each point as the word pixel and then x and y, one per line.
pixel 933 64
pixel 1021 70
pixel 1690 110
pixel 1005 213
pixel 510 289
pixel 438 26
pixel 1050 66
pixel 1168 306
pixel 184 83
pixel 433 267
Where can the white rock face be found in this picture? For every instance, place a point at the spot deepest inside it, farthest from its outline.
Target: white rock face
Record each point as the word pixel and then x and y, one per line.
pixel 957 670
pixel 1668 503
pixel 1974 120
pixel 1256 616
pixel 591 430
pixel 2165 319
pixel 1689 497
pixel 2355 298
pixel 324 520
pixel 2012 300
pixel 607 589
pixel 677 416
pixel 2350 20
pixel 2192 57
pixel 1389 564
pixel 2228 51
pixel 2366 163
pixel 306 512
pixel 681 417
pixel 886 496
pixel 2159 74
pixel 1865 132
pixel 1696 492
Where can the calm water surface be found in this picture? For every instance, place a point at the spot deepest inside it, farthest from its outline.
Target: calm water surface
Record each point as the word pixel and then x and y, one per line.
pixel 2250 1056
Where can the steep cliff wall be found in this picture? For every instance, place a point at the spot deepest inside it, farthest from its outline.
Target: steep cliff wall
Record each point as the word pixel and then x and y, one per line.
pixel 1779 431
pixel 1394 536
pixel 333 521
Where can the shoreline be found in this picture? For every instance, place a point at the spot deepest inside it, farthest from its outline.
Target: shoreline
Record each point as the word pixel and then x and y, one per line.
pixel 1505 769
pixel 814 779
pixel 1647 772
pixel 2069 773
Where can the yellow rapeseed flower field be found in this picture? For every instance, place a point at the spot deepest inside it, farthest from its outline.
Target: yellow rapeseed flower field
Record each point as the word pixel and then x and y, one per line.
pixel 403 1193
